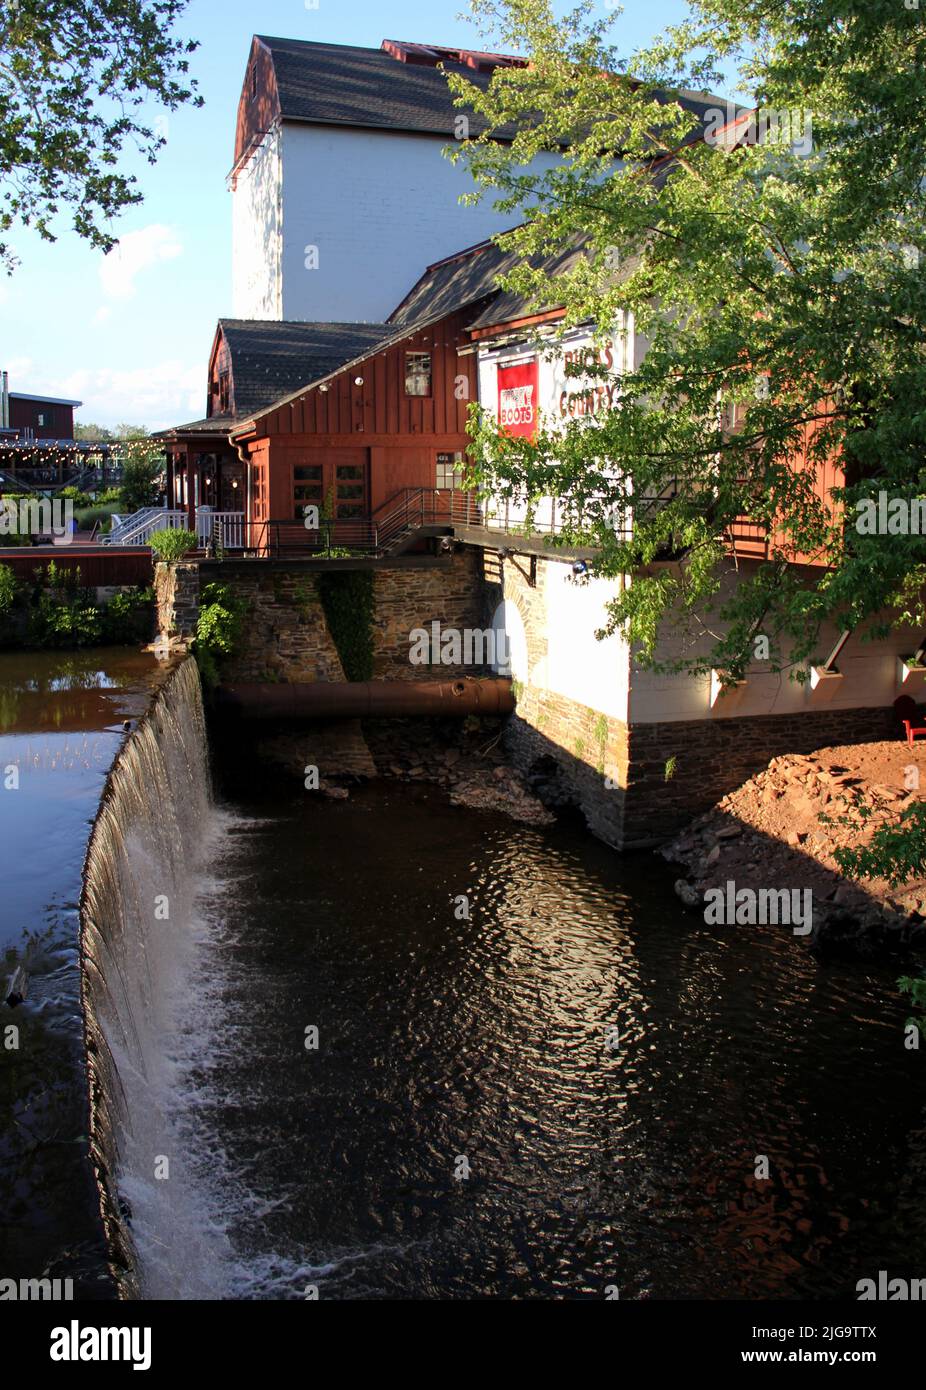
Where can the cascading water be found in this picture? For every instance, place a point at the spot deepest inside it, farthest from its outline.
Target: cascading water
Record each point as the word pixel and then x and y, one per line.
pixel 138 929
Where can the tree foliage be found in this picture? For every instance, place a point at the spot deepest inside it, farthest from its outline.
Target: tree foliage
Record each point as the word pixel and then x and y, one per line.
pixel 778 287
pixel 78 82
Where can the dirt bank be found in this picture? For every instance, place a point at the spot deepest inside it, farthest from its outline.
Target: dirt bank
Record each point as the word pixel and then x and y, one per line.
pixel 769 834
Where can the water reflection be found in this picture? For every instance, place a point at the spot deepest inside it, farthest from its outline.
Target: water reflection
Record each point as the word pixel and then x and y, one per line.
pixel 60 728
pixel 610 1069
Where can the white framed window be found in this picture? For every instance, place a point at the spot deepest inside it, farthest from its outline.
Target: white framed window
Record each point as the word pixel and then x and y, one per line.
pixel 417 374
pixel 447 474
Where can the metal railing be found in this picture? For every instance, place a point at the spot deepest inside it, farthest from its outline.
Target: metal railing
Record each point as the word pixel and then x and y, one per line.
pixel 227 529
pixel 279 539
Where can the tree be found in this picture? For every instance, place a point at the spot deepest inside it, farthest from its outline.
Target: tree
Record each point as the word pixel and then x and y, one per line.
pixel 142 463
pixel 92 433
pixel 779 287
pixel 77 84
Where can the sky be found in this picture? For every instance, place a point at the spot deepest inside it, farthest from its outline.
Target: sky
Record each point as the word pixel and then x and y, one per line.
pixel 129 334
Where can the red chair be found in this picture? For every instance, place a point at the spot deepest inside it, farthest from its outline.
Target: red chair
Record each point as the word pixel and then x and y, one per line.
pixel 910 716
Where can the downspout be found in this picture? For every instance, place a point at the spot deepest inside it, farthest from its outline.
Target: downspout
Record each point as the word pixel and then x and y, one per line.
pixel 246 460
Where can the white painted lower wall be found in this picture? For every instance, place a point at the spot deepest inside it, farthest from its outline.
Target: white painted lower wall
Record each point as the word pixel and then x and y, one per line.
pixel 868 679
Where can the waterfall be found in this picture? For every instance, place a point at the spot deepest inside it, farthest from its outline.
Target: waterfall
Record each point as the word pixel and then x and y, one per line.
pixel 137 937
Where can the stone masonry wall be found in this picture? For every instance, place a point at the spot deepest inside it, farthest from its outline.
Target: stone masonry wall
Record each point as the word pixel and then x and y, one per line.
pixel 176 590
pixel 714 757
pixel 284 634
pixel 286 638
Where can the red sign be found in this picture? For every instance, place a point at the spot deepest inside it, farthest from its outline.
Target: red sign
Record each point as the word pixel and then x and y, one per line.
pixel 517 399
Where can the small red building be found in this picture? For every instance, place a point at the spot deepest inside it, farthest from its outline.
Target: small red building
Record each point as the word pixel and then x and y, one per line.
pixel 41 417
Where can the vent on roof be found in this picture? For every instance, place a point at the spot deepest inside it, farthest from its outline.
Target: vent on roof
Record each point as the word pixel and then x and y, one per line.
pixel 428 56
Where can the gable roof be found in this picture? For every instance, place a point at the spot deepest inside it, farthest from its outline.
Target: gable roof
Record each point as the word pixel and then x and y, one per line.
pixel 338 84
pixel 397 86
pixel 451 284
pixel 270 359
pixel 470 278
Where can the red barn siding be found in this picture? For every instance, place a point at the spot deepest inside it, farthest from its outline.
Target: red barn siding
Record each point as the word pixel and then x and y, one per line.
pixel 256 113
pixel 396 438
pixel 59 418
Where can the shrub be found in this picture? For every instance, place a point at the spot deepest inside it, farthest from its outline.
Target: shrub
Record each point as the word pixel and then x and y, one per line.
pixel 80 499
pixel 86 520
pixel 8 588
pixel 127 618
pixel 171 545
pixel 221 617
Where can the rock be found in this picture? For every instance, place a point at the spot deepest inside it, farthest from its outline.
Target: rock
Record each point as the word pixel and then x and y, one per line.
pixel 336 793
pixel 729 832
pixel 688 893
pixel 713 856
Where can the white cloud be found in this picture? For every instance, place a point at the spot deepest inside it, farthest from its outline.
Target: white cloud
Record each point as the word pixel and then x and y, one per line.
pixel 137 252
pixel 102 314
pixel 166 393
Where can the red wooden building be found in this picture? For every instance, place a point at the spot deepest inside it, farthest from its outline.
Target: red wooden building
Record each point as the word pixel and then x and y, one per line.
pixel 345 418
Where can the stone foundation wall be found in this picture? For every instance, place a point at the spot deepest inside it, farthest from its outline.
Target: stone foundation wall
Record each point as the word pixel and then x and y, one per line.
pixel 414 598
pixel 176 591
pixel 572 755
pixel 713 757
pixel 286 638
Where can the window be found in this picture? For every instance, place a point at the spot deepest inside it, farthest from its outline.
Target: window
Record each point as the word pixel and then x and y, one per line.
pixel 307 489
pixel 447 476
pixel 41 419
pixel 350 491
pixel 224 393
pixel 253 80
pixel 417 374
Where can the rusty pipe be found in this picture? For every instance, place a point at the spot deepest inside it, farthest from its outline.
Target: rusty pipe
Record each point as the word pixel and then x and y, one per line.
pixel 368 699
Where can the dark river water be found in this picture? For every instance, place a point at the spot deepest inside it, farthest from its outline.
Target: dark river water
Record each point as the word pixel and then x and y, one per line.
pixel 563 1087
pixel 471 1125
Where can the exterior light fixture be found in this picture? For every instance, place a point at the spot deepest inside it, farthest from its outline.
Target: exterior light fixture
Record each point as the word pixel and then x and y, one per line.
pixel 358 380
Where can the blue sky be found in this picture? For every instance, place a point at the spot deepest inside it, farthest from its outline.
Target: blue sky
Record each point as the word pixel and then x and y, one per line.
pixel 129 334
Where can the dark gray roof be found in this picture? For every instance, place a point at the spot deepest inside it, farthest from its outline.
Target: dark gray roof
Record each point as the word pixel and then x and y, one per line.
pixel 337 84
pixel 213 424
pixel 471 279
pixel 270 360
pixel 451 284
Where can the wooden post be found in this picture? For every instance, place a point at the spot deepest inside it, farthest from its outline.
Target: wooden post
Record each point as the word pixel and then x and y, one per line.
pixel 192 473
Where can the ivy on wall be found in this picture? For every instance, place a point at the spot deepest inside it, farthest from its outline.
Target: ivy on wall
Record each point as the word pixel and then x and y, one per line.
pixel 347 600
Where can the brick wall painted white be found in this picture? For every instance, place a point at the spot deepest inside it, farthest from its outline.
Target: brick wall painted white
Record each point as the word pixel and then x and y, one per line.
pixel 257 234
pixel 379 206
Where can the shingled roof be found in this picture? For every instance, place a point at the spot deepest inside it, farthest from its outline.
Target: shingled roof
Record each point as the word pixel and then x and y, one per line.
pixel 338 84
pixel 271 359
pixel 470 278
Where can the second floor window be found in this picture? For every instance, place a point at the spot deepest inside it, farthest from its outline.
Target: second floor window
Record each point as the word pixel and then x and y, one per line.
pixel 224 394
pixel 417 374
